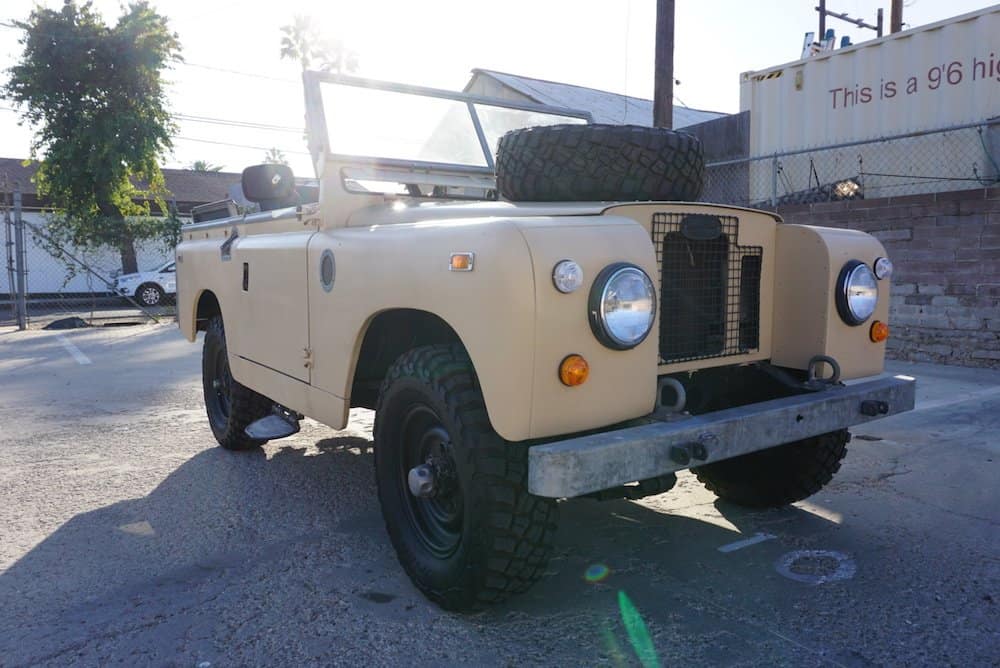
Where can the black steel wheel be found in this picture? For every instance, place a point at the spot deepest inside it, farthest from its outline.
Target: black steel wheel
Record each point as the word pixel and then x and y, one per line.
pixel 230 406
pixel 437 519
pixel 454 495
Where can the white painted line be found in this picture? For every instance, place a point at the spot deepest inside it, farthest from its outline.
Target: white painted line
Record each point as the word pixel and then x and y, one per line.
pixel 746 542
pixel 77 354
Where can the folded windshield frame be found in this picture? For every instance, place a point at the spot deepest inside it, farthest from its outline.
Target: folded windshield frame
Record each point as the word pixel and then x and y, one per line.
pixel 319 137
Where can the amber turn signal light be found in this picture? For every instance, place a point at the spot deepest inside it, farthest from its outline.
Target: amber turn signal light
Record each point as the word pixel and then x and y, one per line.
pixel 879 331
pixel 574 370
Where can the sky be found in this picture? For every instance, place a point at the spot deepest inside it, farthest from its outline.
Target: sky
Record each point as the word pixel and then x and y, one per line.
pixel 232 72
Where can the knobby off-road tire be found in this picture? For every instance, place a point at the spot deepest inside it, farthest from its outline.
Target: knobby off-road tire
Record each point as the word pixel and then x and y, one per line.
pixel 569 163
pixel 777 476
pixel 483 536
pixel 230 406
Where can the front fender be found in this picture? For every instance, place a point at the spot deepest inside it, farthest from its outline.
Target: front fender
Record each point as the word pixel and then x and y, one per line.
pixel 806 323
pixel 492 308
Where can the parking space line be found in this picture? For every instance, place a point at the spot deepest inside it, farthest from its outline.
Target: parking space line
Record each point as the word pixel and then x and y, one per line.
pixel 77 354
pixel 746 542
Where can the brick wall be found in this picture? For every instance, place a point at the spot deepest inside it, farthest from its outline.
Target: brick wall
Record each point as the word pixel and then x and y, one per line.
pixel 945 304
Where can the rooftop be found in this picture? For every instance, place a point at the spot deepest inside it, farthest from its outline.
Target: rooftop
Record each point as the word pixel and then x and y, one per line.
pixel 187 187
pixel 605 107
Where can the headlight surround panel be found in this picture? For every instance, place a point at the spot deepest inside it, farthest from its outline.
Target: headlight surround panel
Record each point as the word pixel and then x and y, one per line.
pixel 857 293
pixel 622 306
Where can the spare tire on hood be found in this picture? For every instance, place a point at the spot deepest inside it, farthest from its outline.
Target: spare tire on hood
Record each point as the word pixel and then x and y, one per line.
pixel 596 163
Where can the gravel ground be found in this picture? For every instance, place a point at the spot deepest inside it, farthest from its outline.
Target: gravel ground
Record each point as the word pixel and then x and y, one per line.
pixel 127 538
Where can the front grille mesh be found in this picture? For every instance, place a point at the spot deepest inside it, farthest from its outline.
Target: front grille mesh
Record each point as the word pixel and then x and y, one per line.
pixel 709 287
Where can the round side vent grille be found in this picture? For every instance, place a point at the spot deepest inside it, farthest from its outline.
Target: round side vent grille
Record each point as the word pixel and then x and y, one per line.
pixel 327 270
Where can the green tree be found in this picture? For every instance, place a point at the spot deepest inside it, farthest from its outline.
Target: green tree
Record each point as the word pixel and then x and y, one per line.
pixel 94 96
pixel 302 42
pixel 205 166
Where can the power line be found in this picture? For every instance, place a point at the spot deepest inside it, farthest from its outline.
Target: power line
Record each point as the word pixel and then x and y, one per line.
pixel 223 143
pixel 246 125
pixel 252 125
pixel 252 75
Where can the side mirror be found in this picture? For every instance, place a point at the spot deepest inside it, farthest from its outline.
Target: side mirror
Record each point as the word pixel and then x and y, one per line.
pixel 263 183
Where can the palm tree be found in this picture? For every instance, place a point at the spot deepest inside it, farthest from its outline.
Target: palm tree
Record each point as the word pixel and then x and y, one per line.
pixel 298 42
pixel 205 166
pixel 301 42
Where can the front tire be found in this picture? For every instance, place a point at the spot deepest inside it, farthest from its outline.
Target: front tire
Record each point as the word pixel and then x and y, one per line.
pixel 149 294
pixel 777 476
pixel 230 406
pixel 481 536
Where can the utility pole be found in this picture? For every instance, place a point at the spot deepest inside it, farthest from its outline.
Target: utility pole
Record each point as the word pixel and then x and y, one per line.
pixel 663 69
pixel 824 12
pixel 896 16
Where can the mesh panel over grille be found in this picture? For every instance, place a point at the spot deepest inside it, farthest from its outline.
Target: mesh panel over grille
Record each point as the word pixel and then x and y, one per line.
pixel 709 287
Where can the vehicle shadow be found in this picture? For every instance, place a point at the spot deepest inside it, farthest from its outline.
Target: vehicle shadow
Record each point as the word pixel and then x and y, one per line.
pixel 292 536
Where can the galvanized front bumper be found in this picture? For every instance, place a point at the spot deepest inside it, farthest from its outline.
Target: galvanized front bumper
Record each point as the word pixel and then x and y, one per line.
pixel 601 461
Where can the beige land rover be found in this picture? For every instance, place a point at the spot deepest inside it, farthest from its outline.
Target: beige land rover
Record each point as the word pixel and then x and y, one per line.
pixel 536 311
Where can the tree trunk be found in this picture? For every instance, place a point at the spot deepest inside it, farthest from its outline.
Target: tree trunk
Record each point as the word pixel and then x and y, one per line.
pixel 127 251
pixel 114 219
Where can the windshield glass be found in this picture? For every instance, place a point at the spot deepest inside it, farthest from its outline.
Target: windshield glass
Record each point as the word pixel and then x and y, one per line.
pixel 403 125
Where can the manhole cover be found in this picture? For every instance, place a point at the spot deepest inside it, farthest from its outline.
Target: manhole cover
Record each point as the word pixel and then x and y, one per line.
pixel 816 566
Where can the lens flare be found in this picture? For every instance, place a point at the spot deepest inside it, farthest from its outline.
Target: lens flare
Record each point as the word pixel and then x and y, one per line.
pixel 638 634
pixel 596 573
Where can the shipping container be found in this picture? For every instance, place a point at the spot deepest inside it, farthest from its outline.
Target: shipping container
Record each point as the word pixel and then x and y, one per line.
pixel 931 78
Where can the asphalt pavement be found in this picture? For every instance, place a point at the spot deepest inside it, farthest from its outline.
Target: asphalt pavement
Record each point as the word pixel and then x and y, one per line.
pixel 128 538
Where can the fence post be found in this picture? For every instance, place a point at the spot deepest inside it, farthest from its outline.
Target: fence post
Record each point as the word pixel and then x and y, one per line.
pixel 774 181
pixel 20 251
pixel 8 246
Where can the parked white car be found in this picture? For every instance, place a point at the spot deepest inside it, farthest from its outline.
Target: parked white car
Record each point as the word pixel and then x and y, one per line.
pixel 149 287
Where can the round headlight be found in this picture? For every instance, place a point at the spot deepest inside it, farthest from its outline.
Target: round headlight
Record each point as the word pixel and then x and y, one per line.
pixel 567 276
pixel 622 306
pixel 883 268
pixel 857 293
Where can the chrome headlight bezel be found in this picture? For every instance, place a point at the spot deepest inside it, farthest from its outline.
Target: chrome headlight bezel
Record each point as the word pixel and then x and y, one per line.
pixel 597 306
pixel 856 309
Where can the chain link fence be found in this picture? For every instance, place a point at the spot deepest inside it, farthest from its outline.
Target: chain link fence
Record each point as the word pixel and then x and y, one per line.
pixel 48 284
pixel 948 159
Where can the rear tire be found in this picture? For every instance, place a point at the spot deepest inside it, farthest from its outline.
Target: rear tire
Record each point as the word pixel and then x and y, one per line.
pixel 596 163
pixel 230 406
pixel 777 476
pixel 481 536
